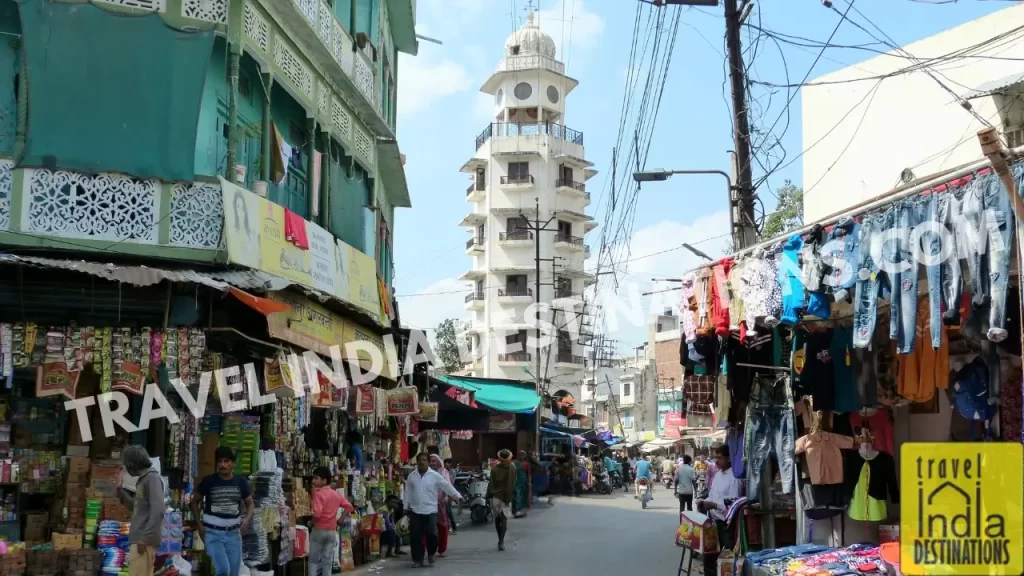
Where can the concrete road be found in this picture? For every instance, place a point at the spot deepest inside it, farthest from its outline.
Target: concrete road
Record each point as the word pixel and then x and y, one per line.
pixel 589 535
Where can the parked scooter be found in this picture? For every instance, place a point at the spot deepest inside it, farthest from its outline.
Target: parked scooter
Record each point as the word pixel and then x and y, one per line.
pixel 479 507
pixel 615 478
pixel 644 487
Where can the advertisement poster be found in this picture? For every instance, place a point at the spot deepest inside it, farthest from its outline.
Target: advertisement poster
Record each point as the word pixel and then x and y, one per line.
pixel 502 423
pixel 362 273
pixel 241 224
pixel 323 263
pixel 673 422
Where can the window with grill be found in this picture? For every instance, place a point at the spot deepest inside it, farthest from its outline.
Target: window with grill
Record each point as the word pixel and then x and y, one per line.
pixel 515 283
pixel 625 389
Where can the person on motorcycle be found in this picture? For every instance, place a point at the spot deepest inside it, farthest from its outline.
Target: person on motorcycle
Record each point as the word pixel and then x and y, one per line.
pixel 643 470
pixel 668 469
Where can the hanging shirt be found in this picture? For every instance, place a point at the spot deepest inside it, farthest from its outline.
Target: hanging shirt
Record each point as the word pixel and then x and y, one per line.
pixel 880 424
pixel 818 374
pixel 846 399
pixel 737 311
pixel 925 368
pixel 824 459
pixel 875 483
pixel 720 296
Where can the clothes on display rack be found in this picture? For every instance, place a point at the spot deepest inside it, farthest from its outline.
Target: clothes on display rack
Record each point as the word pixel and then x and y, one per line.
pixel 720 296
pixel 770 430
pixel 880 425
pixel 924 368
pixel 816 560
pixel 875 482
pixel 824 456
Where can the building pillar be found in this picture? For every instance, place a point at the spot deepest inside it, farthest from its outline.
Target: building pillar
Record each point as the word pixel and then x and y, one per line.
pixel 310 166
pixel 234 60
pixel 267 127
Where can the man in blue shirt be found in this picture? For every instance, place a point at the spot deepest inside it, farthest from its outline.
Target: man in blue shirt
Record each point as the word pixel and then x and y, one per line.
pixel 643 470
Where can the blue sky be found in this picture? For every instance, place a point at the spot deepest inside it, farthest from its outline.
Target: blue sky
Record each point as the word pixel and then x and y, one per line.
pixel 441 112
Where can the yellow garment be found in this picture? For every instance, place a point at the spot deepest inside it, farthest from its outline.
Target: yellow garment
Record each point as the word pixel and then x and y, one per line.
pixel 737 310
pixel 926 368
pixel 862 506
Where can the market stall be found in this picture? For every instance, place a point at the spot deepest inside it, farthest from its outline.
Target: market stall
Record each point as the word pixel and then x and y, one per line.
pixel 820 353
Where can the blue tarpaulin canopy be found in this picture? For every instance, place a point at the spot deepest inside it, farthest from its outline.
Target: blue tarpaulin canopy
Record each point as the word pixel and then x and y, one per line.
pixel 497 394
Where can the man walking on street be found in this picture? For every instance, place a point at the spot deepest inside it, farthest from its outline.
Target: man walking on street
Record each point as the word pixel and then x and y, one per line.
pixel 686 478
pixel 323 538
pixel 421 490
pixel 500 491
pixel 221 496
pixel 145 534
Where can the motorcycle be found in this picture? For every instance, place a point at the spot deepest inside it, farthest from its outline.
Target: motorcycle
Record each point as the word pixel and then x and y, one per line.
pixel 601 484
pixel 667 479
pixel 616 480
pixel 479 507
pixel 644 487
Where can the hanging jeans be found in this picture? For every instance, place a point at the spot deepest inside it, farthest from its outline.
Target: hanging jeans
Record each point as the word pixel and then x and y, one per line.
pixel 901 259
pixel 840 255
pixel 770 428
pixel 986 226
pixel 941 258
pixel 871 278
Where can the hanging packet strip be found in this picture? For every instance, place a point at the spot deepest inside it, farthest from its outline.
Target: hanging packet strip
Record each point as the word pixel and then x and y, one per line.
pixel 54 379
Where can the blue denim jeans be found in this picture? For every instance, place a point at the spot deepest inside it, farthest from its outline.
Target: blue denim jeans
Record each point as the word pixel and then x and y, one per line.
pixel 770 428
pixel 840 254
pixel 224 547
pixel 987 227
pixel 947 275
pixel 901 258
pixel 871 279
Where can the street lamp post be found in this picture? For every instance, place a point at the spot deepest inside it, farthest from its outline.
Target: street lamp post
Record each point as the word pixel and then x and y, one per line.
pixel 660 175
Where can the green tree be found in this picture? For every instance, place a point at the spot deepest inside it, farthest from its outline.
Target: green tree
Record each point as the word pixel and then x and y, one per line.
pixel 447 339
pixel 788 214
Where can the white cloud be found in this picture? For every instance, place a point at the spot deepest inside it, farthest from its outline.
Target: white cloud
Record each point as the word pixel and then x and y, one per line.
pixel 654 253
pixel 571 26
pixel 423 82
pixel 426 308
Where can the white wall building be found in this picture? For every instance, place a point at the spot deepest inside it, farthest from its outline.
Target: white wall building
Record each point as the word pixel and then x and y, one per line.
pixel 908 121
pixel 527 164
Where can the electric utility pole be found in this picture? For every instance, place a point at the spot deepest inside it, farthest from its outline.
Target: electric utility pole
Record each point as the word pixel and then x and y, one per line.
pixel 536 228
pixel 741 203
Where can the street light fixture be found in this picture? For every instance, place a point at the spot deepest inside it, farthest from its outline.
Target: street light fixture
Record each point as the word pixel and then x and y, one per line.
pixel 661 174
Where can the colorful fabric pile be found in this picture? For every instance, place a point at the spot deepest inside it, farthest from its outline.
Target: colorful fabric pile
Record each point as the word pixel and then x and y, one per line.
pixel 112 540
pixel 817 560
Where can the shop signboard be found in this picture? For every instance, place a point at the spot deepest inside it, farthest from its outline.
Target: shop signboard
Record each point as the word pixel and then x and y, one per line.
pixel 254 231
pixel 965 513
pixel 313 327
pixel 502 423
pixel 673 422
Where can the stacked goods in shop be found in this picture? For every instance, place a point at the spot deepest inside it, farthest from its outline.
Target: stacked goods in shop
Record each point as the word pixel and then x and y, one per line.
pixel 242 434
pixel 93 509
pixel 44 561
pixel 83 562
pixel 255 550
pixel 172 532
pixel 112 540
pixel 13 561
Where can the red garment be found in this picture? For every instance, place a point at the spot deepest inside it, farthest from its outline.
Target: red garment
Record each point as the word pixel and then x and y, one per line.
pixel 442 537
pixel 295 229
pixel 881 429
pixel 326 502
pixel 720 296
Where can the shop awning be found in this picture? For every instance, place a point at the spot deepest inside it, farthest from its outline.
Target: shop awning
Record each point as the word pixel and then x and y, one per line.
pixel 497 394
pixel 454 415
pixel 392 171
pixel 658 444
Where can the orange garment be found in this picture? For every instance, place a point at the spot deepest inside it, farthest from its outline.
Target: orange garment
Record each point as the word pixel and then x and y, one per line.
pixel 824 459
pixel 925 369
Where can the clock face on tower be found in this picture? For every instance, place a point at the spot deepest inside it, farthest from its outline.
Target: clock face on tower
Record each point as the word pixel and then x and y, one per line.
pixel 553 94
pixel 523 90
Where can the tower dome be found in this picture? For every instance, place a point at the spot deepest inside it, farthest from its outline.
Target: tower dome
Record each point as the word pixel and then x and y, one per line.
pixel 529 40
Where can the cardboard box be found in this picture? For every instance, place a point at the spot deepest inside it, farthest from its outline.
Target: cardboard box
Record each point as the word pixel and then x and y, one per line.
pixel 728 565
pixel 114 510
pixel 67 541
pixel 79 451
pixel 697 532
pixel 78 465
pixel 888 533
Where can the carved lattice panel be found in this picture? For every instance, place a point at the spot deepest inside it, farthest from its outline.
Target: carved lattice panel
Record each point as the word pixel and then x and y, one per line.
pixel 256 28
pixel 197 215
pixel 341 119
pixel 324 26
pixel 5 193
pixel 103 207
pixel 293 68
pixel 209 10
pixel 151 5
pixel 310 10
pixel 364 78
pixel 363 144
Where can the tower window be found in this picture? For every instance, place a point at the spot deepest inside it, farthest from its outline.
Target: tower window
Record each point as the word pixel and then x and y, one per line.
pixel 523 90
pixel 553 94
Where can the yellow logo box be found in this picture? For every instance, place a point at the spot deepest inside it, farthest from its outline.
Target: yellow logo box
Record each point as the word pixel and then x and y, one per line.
pixel 963 508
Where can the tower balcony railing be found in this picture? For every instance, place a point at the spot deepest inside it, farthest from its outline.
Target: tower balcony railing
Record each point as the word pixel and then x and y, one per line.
pixel 473 296
pixel 577 186
pixel 569 239
pixel 476 187
pixel 513 129
pixel 567 357
pixel 514 357
pixel 515 235
pixel 475 242
pixel 516 180
pixel 514 292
